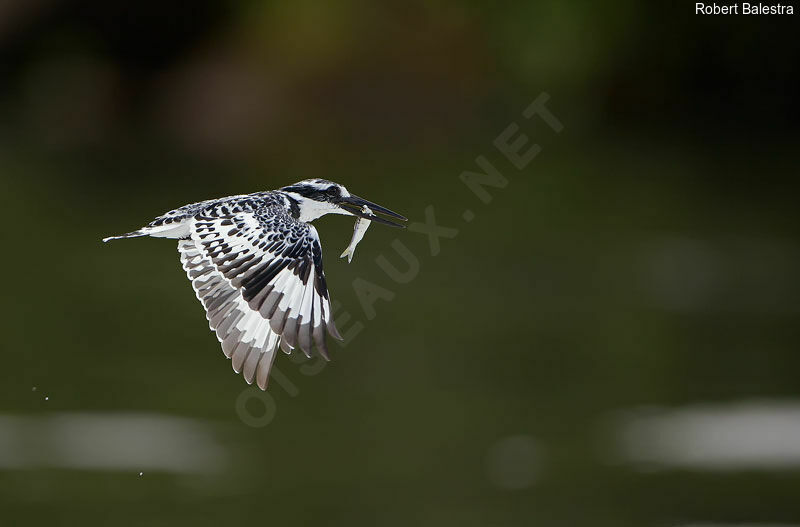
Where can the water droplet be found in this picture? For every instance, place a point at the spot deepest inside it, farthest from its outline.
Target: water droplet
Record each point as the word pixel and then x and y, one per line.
pixel 46 398
pixel 140 474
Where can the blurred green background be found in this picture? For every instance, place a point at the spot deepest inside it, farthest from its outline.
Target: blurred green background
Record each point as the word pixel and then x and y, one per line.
pixel 611 341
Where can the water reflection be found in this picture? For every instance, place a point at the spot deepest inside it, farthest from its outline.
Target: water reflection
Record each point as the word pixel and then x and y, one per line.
pixel 514 462
pixel 749 435
pixel 110 441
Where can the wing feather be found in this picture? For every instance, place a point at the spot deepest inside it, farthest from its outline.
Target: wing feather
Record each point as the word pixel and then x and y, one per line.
pixel 259 277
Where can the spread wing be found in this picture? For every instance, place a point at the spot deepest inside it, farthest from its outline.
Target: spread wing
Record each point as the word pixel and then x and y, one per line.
pixel 259 276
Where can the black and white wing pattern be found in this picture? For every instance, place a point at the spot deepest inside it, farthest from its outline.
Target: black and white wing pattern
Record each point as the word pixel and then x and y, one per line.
pixel 259 276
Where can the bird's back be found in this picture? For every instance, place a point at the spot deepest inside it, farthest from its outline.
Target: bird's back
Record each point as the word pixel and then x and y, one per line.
pixel 216 208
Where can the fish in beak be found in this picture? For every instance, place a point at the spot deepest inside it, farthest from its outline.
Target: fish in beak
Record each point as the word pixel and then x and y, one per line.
pixel 368 210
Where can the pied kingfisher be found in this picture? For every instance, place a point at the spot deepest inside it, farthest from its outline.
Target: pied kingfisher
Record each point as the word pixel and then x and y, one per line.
pixel 255 264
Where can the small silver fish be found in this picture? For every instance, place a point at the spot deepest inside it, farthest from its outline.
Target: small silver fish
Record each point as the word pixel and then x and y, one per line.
pixel 358 233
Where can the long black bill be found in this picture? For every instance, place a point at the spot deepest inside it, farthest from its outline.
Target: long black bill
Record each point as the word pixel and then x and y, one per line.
pixel 354 205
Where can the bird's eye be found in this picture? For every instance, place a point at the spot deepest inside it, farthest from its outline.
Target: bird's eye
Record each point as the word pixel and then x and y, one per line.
pixel 333 191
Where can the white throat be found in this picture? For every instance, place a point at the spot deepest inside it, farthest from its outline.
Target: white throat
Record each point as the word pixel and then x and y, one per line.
pixel 310 209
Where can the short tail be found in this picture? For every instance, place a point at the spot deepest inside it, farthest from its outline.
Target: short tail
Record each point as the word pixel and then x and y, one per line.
pixel 134 234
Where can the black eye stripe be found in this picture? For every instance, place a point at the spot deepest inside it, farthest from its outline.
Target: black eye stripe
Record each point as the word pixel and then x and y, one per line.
pixel 315 193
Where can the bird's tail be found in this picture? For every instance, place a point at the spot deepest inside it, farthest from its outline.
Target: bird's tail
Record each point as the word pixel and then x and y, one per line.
pixel 134 234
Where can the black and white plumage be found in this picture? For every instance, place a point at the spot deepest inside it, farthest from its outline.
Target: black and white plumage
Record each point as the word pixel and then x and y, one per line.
pixel 255 263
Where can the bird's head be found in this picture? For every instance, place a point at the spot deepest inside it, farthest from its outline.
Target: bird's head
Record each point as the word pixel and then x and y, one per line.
pixel 317 197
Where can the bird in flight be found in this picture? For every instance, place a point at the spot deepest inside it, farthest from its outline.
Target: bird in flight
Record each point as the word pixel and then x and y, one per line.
pixel 255 263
